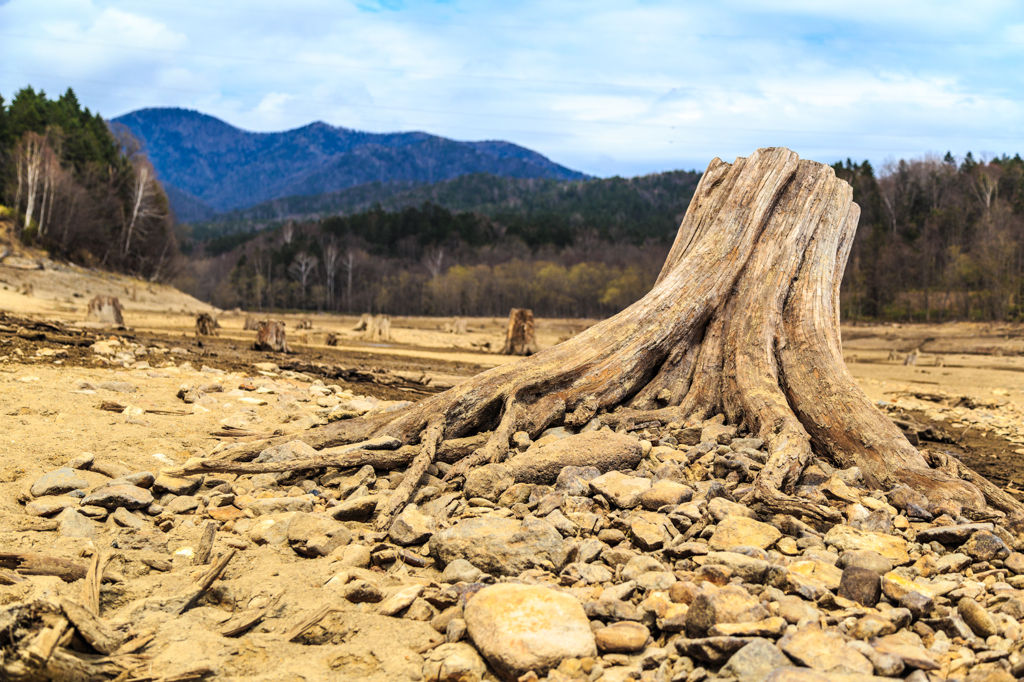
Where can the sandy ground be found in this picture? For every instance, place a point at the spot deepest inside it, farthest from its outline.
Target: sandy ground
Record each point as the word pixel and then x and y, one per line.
pixel 50 399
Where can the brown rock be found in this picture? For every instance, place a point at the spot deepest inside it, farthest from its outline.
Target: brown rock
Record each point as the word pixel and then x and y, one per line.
pixel 861 585
pixel 519 628
pixel 730 604
pixel 740 530
pixel 622 638
pixel 602 449
pixel 825 652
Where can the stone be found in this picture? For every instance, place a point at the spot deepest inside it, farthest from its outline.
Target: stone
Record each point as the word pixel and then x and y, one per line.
pixel 824 651
pixel 361 592
pixel 225 514
pixel 748 569
pixel 503 546
pixel 1015 562
pixel 908 650
pixel 977 619
pixel 622 638
pixel 71 524
pixel 315 535
pixel 412 527
pixel 794 610
pixel 461 571
pixel 919 604
pixel 611 609
pixel 885 665
pixel 951 535
pixel 845 538
pixel 865 558
pixel 826 575
pixel 754 662
pixel 488 482
pixel 185 504
pixel 666 492
pixel 638 565
pixel 621 490
pixel 127 496
pixel 48 506
pixel 278 505
pixel 730 604
pixel 352 556
pixel 713 650
pixel 871 626
pixel 721 508
pixel 605 450
pixel 985 546
pixel 519 628
pixel 359 509
pixel 295 449
pixel 57 482
pixel 591 574
pixel 646 533
pixel 126 519
pixel 576 480
pixel 740 530
pixel 896 586
pixel 861 585
pixel 453 662
pixel 175 485
pixel 400 601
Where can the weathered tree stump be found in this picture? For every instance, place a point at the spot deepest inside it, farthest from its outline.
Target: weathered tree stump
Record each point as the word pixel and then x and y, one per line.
pixel 305 323
pixel 270 336
pixel 457 326
pixel 378 329
pixel 206 325
pixel 251 324
pixel 332 340
pixel 521 336
pixel 365 320
pixel 105 310
pixel 743 322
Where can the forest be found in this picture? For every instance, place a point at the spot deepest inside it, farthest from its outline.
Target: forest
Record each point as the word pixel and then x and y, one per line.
pixel 84 191
pixel 939 239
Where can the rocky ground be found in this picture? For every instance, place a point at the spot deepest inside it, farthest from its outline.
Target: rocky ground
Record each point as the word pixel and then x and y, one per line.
pixel 597 555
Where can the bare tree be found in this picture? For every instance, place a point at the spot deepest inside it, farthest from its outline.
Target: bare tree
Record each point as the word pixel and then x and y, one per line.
pixel 434 260
pixel 145 205
pixel 301 269
pixel 30 157
pixel 331 262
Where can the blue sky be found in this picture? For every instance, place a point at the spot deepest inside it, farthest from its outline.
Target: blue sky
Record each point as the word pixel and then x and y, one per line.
pixel 604 87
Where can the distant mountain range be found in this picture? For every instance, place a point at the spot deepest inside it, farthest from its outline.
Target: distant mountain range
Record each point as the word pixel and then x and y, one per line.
pixel 209 167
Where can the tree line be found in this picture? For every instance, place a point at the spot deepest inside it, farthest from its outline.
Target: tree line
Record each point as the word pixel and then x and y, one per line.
pixel 938 239
pixel 84 192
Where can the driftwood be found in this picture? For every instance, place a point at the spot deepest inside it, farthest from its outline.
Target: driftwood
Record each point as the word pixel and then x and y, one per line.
pixel 105 310
pixel 192 597
pixel 206 325
pixel 205 546
pixel 30 563
pixel 270 336
pixel 521 336
pixel 246 621
pixel 742 325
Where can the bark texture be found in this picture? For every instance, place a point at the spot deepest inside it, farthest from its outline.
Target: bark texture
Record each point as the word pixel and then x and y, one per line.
pixel 743 321
pixel 206 325
pixel 521 336
pixel 270 336
pixel 105 310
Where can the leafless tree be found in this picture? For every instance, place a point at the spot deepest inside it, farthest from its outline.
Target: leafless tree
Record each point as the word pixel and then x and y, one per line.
pixel 331 262
pixel 302 268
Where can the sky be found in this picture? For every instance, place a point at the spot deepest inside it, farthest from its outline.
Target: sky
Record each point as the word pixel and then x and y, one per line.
pixel 608 88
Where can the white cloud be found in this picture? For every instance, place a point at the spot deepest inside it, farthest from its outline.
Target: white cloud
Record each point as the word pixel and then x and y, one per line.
pixel 605 86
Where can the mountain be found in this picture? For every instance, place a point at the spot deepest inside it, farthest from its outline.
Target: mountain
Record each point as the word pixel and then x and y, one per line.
pixel 209 166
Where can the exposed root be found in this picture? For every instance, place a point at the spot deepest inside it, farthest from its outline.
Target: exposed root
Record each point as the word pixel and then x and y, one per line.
pixel 405 489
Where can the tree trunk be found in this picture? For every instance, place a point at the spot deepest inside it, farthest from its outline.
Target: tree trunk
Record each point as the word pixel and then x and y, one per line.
pixel 521 337
pixel 743 321
pixel 378 328
pixel 270 336
pixel 206 325
pixel 105 310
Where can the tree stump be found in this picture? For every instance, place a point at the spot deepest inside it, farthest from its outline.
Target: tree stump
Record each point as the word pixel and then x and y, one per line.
pixel 365 320
pixel 378 329
pixel 742 324
pixel 105 310
pixel 206 325
pixel 251 324
pixel 304 323
pixel 332 340
pixel 270 336
pixel 521 337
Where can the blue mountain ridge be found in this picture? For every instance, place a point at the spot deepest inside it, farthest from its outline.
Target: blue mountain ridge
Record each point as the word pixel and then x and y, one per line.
pixel 208 166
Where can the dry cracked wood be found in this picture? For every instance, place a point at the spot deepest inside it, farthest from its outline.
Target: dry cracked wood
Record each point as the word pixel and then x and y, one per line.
pixel 743 321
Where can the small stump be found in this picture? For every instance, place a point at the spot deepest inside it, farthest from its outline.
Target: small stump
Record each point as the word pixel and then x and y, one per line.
pixel 105 310
pixel 206 325
pixel 521 337
pixel 270 336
